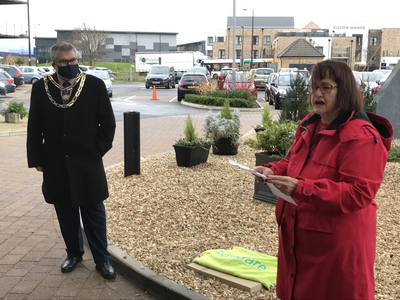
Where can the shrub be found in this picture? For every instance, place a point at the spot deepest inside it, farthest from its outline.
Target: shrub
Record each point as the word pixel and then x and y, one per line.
pixel 394 154
pixel 191 139
pixel 16 108
pixel 296 104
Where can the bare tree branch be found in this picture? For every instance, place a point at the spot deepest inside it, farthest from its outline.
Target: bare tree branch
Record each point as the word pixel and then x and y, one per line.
pixel 91 43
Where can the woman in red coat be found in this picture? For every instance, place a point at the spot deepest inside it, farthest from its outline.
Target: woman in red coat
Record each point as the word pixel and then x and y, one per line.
pixel 332 171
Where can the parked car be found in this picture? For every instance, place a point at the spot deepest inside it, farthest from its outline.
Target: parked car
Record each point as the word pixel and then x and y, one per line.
pixel 370 79
pixel 280 86
pixel 86 68
pixel 261 76
pixel 15 74
pixel 103 75
pixel 287 70
pixel 178 76
pixel 31 73
pixel 49 70
pixel 244 80
pixel 110 73
pixel 196 70
pixel 189 84
pixel 3 90
pixel 271 78
pixel 225 71
pixel 8 81
pixel 161 76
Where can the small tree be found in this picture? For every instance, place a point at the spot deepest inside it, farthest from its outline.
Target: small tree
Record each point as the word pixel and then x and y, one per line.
pixel 226 112
pixel 190 131
pixel 368 95
pixel 295 105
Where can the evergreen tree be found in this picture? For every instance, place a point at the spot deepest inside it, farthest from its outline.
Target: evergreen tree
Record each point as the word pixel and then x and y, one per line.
pixel 295 105
pixel 368 95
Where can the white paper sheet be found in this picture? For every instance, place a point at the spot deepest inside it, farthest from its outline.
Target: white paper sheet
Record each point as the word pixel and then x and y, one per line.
pixel 273 189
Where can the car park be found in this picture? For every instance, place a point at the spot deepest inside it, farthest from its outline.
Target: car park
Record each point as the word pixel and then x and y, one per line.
pixel 280 86
pixel 261 76
pixel 189 84
pixel 3 90
pixel 8 81
pixel 15 74
pixel 105 76
pixel 244 80
pixel 163 76
pixel 196 70
pixel 31 73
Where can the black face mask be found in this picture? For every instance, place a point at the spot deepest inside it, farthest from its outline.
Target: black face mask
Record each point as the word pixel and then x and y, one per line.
pixel 68 72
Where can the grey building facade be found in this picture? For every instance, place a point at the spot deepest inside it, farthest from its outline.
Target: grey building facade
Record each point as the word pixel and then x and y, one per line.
pixel 121 46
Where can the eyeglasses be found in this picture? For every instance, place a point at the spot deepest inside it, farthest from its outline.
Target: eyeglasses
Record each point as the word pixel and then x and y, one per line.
pixel 66 62
pixel 325 88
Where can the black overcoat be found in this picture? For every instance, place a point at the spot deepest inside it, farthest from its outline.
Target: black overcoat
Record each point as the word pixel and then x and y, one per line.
pixel 69 143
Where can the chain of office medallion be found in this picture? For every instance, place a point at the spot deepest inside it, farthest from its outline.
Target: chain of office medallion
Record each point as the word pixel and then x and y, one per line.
pixel 82 77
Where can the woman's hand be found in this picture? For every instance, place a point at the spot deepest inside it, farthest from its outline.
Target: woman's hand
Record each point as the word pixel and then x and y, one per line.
pixel 263 170
pixel 285 184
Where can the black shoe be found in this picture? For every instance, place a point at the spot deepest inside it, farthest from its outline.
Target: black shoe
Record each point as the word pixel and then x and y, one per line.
pixel 69 264
pixel 106 269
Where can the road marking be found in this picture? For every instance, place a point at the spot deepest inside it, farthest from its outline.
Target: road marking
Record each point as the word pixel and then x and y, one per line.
pixel 173 99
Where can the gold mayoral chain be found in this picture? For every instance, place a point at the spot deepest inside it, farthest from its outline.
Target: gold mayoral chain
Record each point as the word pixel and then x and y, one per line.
pixel 80 78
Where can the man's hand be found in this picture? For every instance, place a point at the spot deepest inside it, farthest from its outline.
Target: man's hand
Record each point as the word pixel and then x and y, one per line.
pixel 39 169
pixel 285 184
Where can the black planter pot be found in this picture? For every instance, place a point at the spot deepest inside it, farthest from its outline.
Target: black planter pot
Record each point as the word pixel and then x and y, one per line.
pixel 262 191
pixel 224 147
pixel 191 156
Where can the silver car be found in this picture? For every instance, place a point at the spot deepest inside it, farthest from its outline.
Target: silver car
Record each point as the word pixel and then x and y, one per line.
pixel 103 75
pixel 261 76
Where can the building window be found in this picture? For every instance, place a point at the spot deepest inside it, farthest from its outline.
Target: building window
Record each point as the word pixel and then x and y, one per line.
pixel 320 49
pixel 220 39
pixel 358 40
pixel 210 40
pixel 221 53
pixel 238 53
pixel 238 40
pixel 373 41
pixel 267 40
pixel 255 40
pixel 255 54
pixel 209 53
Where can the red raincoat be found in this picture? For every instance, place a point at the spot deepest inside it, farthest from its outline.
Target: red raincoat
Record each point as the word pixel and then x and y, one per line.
pixel 327 243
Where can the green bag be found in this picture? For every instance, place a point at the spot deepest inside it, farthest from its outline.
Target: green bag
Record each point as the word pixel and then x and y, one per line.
pixel 241 263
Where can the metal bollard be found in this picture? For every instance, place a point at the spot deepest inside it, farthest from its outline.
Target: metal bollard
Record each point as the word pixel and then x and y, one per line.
pixel 131 143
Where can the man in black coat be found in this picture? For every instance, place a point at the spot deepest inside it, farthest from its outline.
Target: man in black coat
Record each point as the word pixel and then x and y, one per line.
pixel 71 126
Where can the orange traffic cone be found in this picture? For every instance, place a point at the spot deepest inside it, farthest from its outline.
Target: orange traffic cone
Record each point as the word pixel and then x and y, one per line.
pixel 154 93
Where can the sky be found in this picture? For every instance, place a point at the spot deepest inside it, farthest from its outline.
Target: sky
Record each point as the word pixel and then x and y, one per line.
pixel 190 19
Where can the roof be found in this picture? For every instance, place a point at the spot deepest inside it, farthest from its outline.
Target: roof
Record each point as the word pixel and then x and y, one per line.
pixel 300 48
pixel 311 25
pixel 123 32
pixel 5 2
pixel 262 22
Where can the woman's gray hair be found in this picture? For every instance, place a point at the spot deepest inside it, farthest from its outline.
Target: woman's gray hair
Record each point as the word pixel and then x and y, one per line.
pixel 61 47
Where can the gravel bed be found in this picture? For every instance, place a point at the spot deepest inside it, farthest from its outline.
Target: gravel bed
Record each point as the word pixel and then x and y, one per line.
pixel 168 215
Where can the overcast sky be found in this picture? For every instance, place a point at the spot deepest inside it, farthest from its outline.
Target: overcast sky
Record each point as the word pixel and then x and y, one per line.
pixel 190 19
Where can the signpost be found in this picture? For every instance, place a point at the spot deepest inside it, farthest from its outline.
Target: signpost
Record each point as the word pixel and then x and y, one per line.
pixel 383 66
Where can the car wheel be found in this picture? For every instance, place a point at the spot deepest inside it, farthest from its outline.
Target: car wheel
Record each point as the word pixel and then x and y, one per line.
pixel 215 76
pixel 110 95
pixel 34 80
pixel 271 102
pixel 168 86
pixel 147 87
pixel 173 84
pixel 179 98
pixel 276 103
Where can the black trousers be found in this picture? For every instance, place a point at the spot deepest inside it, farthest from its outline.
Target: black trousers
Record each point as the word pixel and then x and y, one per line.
pixel 94 223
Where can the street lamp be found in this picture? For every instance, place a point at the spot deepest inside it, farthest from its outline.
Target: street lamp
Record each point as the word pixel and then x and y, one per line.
pixel 29 34
pixel 252 32
pixel 329 46
pixel 234 47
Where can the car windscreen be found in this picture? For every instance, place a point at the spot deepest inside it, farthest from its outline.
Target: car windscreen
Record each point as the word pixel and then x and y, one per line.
pixel 194 78
pixel 102 75
pixel 225 72
pixel 263 72
pixel 159 70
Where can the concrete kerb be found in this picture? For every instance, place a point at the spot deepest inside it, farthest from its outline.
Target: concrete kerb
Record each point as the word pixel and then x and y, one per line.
pixel 220 107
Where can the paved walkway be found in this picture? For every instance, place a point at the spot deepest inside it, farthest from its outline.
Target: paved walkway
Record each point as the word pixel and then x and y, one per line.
pixel 31 246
